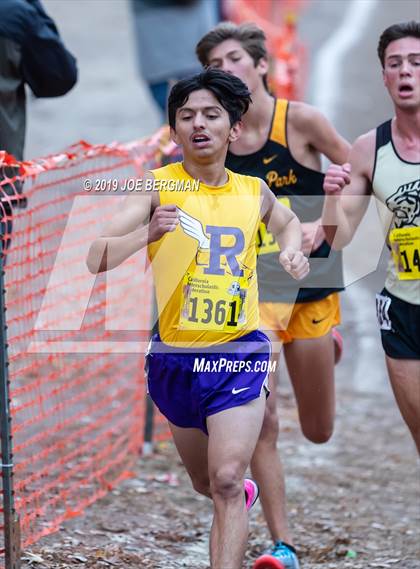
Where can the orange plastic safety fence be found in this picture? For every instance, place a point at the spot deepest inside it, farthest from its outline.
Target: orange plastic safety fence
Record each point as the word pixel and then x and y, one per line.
pixel 76 341
pixel 288 56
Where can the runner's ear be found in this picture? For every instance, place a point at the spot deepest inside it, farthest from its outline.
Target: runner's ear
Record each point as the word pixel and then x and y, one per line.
pixel 262 66
pixel 174 136
pixel 235 131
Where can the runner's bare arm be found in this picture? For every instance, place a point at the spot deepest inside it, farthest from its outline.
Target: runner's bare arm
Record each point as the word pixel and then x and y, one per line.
pixel 285 226
pixel 347 188
pixel 319 133
pixel 131 230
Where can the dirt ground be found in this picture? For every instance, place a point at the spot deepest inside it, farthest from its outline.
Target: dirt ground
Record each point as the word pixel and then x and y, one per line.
pixel 353 503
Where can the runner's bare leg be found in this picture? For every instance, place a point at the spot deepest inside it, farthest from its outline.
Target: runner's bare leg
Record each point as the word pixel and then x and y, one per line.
pixel 192 447
pixel 267 469
pixel 233 434
pixel 311 368
pixel 405 382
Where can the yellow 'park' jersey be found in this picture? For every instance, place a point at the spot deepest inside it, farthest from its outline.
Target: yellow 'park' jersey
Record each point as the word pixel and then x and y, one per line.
pixel 205 270
pixel 301 189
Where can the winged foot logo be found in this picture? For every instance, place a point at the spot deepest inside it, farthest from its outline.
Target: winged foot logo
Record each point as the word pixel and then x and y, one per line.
pixel 211 240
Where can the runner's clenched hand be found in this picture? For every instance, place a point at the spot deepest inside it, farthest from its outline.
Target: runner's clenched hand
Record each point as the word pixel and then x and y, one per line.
pixel 336 178
pixel 294 262
pixel 164 219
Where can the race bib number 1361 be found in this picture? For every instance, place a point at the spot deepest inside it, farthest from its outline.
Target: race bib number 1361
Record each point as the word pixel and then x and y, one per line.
pixel 215 303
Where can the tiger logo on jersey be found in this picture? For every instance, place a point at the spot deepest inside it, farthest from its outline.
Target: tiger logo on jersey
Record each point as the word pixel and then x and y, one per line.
pixel 405 204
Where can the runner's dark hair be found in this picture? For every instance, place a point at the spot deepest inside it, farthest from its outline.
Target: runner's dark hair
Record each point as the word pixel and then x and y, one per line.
pixel 397 32
pixel 230 91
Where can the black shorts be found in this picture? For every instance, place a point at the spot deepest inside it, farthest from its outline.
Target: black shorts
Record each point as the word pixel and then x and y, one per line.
pixel 399 322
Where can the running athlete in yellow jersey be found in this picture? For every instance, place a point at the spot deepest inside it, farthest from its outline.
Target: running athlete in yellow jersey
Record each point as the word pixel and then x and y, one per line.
pixel 385 162
pixel 281 143
pixel 207 367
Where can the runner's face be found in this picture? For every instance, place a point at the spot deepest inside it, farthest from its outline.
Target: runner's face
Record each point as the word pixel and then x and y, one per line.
pixel 231 57
pixel 203 126
pixel 402 72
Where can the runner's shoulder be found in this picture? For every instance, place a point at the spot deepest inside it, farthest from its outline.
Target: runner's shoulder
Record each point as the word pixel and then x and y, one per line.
pixel 309 125
pixel 135 200
pixel 366 141
pixel 362 153
pixel 304 117
pixel 301 114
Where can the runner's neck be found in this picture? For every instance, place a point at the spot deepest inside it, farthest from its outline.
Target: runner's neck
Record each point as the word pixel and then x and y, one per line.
pixel 256 124
pixel 405 128
pixel 260 112
pixel 213 174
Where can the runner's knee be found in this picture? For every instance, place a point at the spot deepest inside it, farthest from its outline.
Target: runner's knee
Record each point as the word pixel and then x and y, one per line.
pixel 227 481
pixel 316 433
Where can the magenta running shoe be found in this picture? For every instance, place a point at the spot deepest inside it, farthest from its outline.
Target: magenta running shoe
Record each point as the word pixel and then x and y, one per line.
pixel 251 492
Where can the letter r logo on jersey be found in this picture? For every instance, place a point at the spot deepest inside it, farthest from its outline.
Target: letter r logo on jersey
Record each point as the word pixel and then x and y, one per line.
pixel 217 250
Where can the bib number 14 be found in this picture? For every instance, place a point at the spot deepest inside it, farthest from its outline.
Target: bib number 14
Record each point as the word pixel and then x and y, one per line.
pixel 405 247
